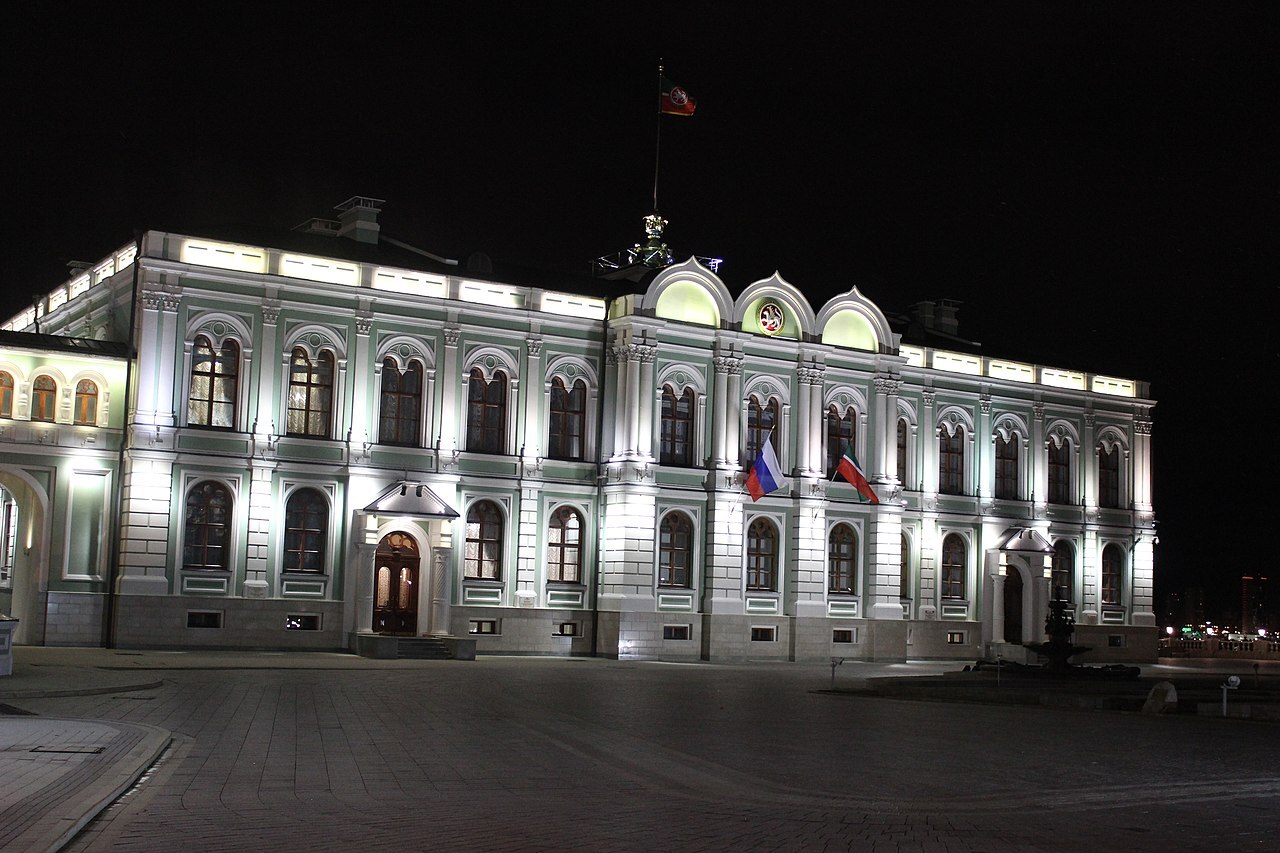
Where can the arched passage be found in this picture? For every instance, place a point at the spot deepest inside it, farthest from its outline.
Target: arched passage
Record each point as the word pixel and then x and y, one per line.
pixel 26 552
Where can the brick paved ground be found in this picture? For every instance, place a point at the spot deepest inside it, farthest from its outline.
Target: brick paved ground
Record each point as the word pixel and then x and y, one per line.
pixel 597 755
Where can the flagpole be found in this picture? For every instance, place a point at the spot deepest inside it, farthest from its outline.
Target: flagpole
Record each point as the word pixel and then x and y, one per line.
pixel 657 146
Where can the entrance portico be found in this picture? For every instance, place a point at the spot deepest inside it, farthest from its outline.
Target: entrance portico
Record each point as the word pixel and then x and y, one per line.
pixel 1016 594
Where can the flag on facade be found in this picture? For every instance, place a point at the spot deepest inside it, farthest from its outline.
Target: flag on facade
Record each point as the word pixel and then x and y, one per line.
pixel 766 474
pixel 852 471
pixel 675 101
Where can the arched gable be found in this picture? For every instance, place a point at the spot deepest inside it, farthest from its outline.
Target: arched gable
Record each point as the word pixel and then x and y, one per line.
pixel 1059 431
pixel 689 293
pixel 313 338
pixel 489 359
pixel 1007 424
pixel 1111 437
pixel 750 310
pixel 765 386
pixel 854 321
pixel 844 396
pixel 404 348
pixel 680 376
pixel 217 326
pixel 571 368
pixel 907 409
pixel 949 417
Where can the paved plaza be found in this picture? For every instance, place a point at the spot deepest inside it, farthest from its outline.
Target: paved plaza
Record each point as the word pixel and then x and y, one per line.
pixel 330 752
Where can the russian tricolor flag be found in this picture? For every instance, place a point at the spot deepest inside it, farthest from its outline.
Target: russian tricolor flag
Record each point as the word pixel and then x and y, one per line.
pixel 766 474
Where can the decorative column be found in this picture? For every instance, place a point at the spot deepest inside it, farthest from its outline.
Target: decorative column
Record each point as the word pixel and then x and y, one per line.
pixel 451 414
pixel 1038 461
pixel 803 422
pixel 265 430
pixel 984 450
pixel 884 562
pixel 531 448
pixel 733 411
pixel 885 435
pixel 363 401
pixel 817 378
pixel 719 402
pixel 1141 461
pixel 441 560
pixel 169 346
pixel 929 452
pixel 150 327
pixel 646 354
pixel 1089 464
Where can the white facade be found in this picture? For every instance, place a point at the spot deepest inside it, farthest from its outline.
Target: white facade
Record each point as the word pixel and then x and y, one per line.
pixel 594 448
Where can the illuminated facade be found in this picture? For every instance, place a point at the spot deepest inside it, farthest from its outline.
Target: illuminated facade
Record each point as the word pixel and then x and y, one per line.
pixel 340 437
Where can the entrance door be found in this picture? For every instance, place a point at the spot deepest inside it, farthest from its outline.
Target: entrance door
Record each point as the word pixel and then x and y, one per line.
pixel 395 585
pixel 1012 605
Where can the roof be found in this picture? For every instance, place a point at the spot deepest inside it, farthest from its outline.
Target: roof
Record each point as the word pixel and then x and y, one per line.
pixel 409 497
pixel 64 344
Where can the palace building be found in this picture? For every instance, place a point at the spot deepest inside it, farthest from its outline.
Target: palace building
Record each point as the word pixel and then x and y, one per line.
pixel 329 437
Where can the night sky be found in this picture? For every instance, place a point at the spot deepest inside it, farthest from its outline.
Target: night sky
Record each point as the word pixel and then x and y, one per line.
pixel 1097 185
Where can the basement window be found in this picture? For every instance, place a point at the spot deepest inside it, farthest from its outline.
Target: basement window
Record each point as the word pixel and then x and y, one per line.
pixel 675 632
pixel 566 629
pixel 204 618
pixel 302 622
pixel 844 635
pixel 955 638
pixel 764 633
pixel 483 626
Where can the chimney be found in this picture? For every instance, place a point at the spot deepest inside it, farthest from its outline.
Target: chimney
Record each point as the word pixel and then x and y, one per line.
pixel 938 316
pixel 358 218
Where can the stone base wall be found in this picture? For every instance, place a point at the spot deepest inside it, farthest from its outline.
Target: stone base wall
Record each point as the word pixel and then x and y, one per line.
pixel 935 640
pixel 74 619
pixel 523 630
pixel 166 622
pixel 1136 644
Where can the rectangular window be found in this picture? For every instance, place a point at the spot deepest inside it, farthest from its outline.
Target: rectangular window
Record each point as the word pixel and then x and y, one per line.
pixel 844 635
pixel 1115 641
pixel 1059 473
pixel 676 440
pixel 204 618
pixel 763 633
pixel 567 629
pixel 302 622
pixel 1007 468
pixel 483 626
pixel 675 632
pixel 955 638
pixel 951 462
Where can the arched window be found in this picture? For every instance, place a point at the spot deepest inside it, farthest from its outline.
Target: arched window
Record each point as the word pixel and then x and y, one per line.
pixel 762 556
pixel 951 461
pixel 400 404
pixel 207 539
pixel 1060 472
pixel 1112 574
pixel 310 394
pixel 6 394
pixel 842 432
pixel 568 420
pixel 1007 467
pixel 675 550
pixel 482 559
pixel 1109 476
pixel 903 431
pixel 1063 570
pixel 676 445
pixel 44 399
pixel 214 384
pixel 306 523
pixel 904 568
pixel 954 566
pixel 487 412
pixel 761 420
pixel 842 558
pixel 86 411
pixel 564 546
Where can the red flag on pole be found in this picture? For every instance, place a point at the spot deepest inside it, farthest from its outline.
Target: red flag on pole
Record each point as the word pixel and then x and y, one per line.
pixel 675 100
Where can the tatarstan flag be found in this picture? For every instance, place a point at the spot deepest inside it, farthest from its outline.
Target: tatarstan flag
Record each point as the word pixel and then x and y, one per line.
pixel 852 471
pixel 675 101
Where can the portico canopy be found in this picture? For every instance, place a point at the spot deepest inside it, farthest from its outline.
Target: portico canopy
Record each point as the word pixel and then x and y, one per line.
pixel 408 497
pixel 1024 540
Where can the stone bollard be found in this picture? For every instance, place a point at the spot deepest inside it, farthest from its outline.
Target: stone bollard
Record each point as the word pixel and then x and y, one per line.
pixel 1163 699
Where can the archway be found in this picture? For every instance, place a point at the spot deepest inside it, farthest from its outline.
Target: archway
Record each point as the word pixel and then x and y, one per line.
pixel 397 567
pixel 25 554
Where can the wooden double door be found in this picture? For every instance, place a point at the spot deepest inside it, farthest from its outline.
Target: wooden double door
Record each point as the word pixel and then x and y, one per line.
pixel 397 571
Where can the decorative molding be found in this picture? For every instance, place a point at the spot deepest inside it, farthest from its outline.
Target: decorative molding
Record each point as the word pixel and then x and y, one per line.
pixel 1037 411
pixel 270 312
pixel 1142 427
pixel 984 404
pixel 1089 417
pixel 451 335
pixel 929 396
pixel 364 324
pixel 535 347
pixel 731 365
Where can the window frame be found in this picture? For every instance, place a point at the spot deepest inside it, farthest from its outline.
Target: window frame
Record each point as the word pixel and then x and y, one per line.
pixel 672 449
pixel 7 387
pixel 761 571
pixel 842 559
pixel 44 398
pixel 1109 477
pixel 317 392
pixel 759 427
pixel 1008 461
pixel 951 459
pixel 1059 461
pixel 839 430
pixel 558 547
pixel 487 401
pixel 200 532
pixel 216 377
pixel 567 420
pixel 297 536
pixel 676 536
pixel 85 412
pixel 481 532
pixel 1111 575
pixel 953 576
pixel 395 428
pixel 1063 565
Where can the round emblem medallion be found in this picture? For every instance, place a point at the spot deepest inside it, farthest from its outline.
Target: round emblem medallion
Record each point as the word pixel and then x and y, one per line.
pixel 771 318
pixel 679 96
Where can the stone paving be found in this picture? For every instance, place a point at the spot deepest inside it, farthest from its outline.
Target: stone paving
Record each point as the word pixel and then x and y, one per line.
pixel 542 754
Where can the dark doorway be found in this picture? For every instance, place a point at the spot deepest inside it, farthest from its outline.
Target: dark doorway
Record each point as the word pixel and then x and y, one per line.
pixel 1012 605
pixel 395 585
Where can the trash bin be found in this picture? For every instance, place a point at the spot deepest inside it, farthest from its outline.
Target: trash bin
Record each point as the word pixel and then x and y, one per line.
pixel 7 627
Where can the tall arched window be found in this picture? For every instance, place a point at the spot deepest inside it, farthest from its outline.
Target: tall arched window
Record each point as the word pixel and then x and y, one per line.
pixel 842 432
pixel 400 404
pixel 761 420
pixel 44 399
pixel 903 430
pixel 1109 476
pixel 951 461
pixel 564 546
pixel 214 384
pixel 482 559
pixel 568 420
pixel 310 394
pixel 954 566
pixel 487 412
pixel 207 539
pixel 675 550
pixel 842 558
pixel 1060 472
pixel 1112 574
pixel 6 394
pixel 1007 467
pixel 1063 570
pixel 762 556
pixel 306 523
pixel 676 444
pixel 86 411
pixel 904 567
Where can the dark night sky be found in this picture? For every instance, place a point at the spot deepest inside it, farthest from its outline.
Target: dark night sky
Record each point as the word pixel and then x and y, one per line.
pixel 1097 185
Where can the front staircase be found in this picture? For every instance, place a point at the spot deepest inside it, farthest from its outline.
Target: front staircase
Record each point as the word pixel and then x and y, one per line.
pixel 422 648
pixel 387 647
